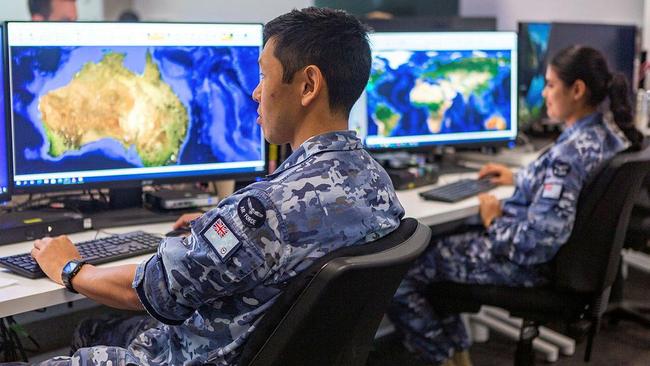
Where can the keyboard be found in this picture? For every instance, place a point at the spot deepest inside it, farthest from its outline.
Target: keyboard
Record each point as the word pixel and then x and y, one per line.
pixel 458 190
pixel 95 251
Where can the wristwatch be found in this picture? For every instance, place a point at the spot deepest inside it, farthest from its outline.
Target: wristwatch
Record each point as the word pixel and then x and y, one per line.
pixel 69 271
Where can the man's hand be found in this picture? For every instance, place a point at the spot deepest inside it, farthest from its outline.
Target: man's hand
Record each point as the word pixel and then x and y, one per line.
pixel 501 174
pixel 52 254
pixel 184 221
pixel 489 208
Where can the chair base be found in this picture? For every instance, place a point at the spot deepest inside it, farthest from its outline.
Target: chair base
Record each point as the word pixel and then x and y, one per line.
pixel 630 311
pixel 541 346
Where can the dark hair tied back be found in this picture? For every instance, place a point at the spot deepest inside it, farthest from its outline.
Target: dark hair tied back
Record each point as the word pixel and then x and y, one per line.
pixel 589 65
pixel 620 106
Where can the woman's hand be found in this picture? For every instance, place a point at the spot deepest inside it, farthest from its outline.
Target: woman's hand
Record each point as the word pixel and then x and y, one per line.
pixel 489 208
pixel 500 174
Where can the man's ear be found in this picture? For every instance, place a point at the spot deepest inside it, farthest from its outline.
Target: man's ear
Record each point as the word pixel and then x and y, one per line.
pixel 312 84
pixel 37 17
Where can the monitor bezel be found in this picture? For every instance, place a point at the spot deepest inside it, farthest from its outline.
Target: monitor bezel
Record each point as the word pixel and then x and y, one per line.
pixel 487 142
pixel 429 23
pixel 5 197
pixel 428 147
pixel 546 127
pixel 125 183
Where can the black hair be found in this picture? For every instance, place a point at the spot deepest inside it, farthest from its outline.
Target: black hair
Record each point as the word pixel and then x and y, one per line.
pixel 589 65
pixel 332 40
pixel 42 7
pixel 129 16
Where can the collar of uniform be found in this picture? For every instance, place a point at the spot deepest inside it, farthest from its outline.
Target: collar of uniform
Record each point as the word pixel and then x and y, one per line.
pixel 581 124
pixel 330 141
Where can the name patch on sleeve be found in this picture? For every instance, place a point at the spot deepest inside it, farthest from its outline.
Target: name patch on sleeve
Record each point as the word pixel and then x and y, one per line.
pixel 552 191
pixel 221 237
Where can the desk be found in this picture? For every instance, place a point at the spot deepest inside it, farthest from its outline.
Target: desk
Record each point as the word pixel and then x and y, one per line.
pixel 432 213
pixel 28 294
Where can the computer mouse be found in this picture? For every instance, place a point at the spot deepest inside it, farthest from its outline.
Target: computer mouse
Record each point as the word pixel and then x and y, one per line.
pixel 179 232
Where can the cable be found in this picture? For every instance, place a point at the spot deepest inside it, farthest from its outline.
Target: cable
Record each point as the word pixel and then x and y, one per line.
pixel 10 344
pixel 528 145
pixel 103 196
pixel 102 231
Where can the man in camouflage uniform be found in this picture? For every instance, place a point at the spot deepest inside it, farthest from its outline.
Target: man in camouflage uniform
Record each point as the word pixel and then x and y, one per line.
pixel 511 249
pixel 209 289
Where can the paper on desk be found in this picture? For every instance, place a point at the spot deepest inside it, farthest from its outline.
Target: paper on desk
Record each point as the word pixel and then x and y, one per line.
pixel 5 282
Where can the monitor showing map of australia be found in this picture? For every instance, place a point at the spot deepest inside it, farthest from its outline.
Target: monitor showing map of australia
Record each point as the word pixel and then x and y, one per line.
pixel 95 102
pixel 441 88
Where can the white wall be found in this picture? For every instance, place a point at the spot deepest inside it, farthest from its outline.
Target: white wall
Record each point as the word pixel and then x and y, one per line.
pixel 216 10
pixel 91 9
pixel 14 10
pixel 509 12
pixel 646 30
pixel 18 10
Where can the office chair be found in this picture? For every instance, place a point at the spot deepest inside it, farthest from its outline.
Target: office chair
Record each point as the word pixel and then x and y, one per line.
pixel 636 241
pixel 582 271
pixel 328 314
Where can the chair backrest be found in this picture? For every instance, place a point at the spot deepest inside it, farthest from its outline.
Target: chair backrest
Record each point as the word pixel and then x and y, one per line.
pixel 328 314
pixel 588 262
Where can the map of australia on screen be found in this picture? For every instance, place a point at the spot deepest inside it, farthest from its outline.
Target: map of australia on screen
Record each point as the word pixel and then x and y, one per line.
pixel 117 107
pixel 107 100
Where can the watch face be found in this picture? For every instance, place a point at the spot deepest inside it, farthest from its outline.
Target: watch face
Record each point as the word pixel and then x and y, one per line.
pixel 70 266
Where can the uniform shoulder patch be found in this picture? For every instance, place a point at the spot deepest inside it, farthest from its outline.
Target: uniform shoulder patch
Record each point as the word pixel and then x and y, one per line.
pixel 561 168
pixel 251 211
pixel 221 238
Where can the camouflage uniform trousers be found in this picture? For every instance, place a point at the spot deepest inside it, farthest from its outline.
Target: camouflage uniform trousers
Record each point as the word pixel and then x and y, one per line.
pixel 104 341
pixel 461 258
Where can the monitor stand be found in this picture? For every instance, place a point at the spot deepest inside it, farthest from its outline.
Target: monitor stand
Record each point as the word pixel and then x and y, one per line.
pixel 121 198
pixel 133 216
pixel 451 164
pixel 126 209
pixel 409 170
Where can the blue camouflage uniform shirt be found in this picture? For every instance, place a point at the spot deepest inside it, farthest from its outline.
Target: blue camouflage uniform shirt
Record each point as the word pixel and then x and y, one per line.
pixel 515 249
pixel 210 288
pixel 537 220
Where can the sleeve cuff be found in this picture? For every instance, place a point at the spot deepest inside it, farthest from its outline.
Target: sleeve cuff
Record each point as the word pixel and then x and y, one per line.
pixel 150 280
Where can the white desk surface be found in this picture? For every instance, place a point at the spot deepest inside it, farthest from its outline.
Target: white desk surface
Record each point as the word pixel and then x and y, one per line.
pixel 27 294
pixel 433 213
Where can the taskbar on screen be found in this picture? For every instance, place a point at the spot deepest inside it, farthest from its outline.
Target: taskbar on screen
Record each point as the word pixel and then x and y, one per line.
pixel 27 182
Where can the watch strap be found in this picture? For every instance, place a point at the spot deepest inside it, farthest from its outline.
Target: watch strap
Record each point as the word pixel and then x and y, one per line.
pixel 66 277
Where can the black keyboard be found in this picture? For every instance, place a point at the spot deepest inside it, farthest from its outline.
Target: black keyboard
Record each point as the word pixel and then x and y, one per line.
pixel 458 190
pixel 96 251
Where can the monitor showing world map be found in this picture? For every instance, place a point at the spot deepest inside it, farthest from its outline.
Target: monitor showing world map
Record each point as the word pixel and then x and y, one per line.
pixel 439 89
pixel 117 103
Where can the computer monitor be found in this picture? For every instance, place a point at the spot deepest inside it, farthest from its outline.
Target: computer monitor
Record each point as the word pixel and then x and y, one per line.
pixel 439 89
pixel 538 42
pixel 128 104
pixel 394 7
pixel 431 24
pixel 5 166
